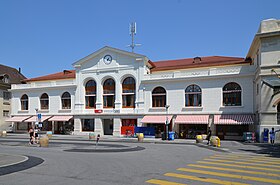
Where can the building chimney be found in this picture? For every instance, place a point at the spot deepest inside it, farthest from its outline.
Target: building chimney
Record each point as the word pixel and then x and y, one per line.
pixel 197 60
pixel 19 70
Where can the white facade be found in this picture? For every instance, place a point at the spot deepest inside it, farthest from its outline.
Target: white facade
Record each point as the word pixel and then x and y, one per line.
pixel 124 64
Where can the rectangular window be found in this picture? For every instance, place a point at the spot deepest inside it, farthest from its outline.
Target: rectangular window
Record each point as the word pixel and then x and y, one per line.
pixel 159 101
pixel 128 101
pixel 90 102
pixel 88 125
pixel 6 113
pixel 44 104
pixel 66 104
pixel 6 95
pixel 108 101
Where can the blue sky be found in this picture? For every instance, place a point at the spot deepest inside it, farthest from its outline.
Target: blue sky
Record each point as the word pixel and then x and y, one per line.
pixel 44 37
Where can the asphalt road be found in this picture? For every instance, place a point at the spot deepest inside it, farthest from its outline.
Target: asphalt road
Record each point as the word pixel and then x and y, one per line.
pixel 79 164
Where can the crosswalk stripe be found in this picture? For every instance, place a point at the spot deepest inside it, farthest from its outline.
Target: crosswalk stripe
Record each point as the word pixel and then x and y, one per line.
pixel 238 162
pixel 239 166
pixel 163 182
pixel 231 175
pixel 235 170
pixel 208 180
pixel 252 157
pixel 245 159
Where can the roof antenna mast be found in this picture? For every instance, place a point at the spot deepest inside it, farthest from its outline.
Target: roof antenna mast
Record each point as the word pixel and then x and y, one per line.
pixel 132 33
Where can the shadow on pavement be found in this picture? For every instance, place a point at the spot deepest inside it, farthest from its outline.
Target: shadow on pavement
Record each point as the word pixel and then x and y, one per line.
pixel 268 149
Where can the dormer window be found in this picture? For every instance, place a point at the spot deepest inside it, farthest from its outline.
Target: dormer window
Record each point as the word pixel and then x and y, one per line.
pixel 197 60
pixel 5 78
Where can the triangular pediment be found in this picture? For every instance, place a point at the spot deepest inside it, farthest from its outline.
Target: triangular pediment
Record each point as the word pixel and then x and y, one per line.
pixel 106 49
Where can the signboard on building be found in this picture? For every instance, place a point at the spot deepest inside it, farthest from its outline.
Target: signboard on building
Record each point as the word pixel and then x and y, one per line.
pixel 98 111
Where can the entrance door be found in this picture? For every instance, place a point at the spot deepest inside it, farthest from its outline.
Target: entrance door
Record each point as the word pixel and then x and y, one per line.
pixel 108 126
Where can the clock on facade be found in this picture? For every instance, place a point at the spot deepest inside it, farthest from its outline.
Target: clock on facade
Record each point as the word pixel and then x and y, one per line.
pixel 107 59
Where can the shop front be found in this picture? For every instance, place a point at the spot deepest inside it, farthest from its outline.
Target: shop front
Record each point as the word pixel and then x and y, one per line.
pixel 231 127
pixel 62 124
pixel 191 125
pixel 128 127
pixel 156 124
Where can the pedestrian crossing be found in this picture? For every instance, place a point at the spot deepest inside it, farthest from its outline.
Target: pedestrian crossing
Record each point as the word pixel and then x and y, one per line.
pixel 228 169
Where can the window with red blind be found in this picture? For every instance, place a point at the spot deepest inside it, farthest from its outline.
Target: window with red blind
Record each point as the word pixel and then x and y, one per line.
pixel 90 94
pixel 128 93
pixel 109 93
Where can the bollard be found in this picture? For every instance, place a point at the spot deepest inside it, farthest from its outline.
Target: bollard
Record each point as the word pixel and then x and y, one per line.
pixel 4 133
pixel 44 141
pixel 215 141
pixel 198 139
pixel 140 137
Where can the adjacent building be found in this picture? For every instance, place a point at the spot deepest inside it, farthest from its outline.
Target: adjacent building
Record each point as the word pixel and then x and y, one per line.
pixel 8 76
pixel 115 92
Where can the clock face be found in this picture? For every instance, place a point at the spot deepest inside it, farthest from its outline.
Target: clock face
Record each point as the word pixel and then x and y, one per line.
pixel 107 59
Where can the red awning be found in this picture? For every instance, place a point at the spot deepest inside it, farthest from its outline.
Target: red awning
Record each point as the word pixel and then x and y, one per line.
pixel 156 119
pixel 192 119
pixel 60 118
pixel 34 119
pixel 17 118
pixel 233 119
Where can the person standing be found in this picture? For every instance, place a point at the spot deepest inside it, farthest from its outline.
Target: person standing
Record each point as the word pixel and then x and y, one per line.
pixel 209 135
pixel 272 136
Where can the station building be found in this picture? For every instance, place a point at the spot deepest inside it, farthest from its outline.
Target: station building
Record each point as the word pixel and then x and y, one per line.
pixel 111 92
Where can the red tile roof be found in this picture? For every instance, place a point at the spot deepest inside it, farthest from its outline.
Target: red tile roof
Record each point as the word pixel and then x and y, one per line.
pixel 162 66
pixel 204 62
pixel 56 76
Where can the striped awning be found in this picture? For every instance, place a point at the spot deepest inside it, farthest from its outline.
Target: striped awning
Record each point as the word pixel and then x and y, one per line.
pixel 233 119
pixel 60 118
pixel 161 119
pixel 35 119
pixel 17 118
pixel 192 119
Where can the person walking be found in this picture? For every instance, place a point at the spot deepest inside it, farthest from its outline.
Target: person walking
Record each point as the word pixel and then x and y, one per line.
pixel 209 135
pixel 272 136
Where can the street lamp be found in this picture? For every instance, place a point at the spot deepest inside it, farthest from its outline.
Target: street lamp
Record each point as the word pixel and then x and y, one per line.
pixel 166 121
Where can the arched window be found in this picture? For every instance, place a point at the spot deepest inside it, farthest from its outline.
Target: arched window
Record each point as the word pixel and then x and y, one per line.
pixel 278 114
pixel 193 96
pixel 90 94
pixel 128 93
pixel 66 100
pixel 44 100
pixel 24 102
pixel 159 97
pixel 109 93
pixel 232 94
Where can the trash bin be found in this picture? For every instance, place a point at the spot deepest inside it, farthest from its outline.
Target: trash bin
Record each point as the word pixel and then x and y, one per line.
pixel 198 138
pixel 265 135
pixel 140 137
pixel 91 136
pixel 247 136
pixel 163 136
pixel 171 136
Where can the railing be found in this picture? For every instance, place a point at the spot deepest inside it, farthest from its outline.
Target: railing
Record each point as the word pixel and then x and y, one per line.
pixel 197 73
pixel 44 84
